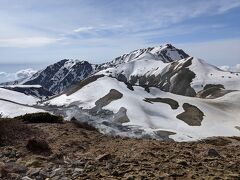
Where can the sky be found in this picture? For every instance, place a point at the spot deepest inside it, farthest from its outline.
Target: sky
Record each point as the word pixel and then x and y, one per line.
pixel 36 33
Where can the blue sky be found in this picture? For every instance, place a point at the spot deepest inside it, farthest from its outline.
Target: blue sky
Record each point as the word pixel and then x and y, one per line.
pixel 35 33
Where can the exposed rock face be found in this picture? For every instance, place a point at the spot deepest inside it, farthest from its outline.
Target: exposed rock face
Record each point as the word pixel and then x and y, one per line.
pixel 121 116
pixel 61 75
pixel 174 104
pixel 192 115
pixel 212 91
pixel 176 78
pixel 105 100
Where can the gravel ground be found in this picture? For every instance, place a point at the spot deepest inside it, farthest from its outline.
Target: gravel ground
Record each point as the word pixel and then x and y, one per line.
pixel 70 152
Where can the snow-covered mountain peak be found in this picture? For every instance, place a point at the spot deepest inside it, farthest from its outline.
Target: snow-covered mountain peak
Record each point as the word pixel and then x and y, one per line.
pixel 165 53
pixel 70 63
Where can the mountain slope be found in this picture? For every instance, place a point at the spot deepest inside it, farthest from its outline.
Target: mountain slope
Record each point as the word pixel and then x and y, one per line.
pixel 61 75
pixel 33 90
pixel 11 109
pixel 191 75
pixel 14 103
pixel 115 109
pixel 17 97
pixel 165 53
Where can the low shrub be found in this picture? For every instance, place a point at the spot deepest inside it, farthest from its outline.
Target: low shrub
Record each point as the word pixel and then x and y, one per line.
pixel 41 118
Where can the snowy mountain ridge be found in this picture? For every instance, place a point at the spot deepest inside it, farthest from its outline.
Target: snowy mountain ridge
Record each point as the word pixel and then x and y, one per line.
pixel 62 75
pixel 158 92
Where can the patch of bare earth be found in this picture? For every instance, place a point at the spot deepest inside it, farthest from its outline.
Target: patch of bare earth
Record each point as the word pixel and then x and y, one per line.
pixel 191 115
pixel 78 153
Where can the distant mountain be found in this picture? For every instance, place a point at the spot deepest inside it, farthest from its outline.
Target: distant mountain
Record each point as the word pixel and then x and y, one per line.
pixel 60 76
pixel 165 53
pixel 143 65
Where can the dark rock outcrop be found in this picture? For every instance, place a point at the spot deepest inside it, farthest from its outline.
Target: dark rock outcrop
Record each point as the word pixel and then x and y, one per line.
pixel 191 115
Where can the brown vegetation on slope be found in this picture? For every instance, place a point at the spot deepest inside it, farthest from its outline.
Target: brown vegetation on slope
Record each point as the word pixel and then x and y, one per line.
pixel 78 153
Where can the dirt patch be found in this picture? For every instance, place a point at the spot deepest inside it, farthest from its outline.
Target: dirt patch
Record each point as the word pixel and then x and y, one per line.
pixel 107 99
pixel 191 115
pixel 121 116
pixel 174 104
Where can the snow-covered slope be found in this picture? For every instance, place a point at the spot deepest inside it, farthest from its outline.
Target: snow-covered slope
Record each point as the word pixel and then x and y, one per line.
pixel 156 113
pixel 191 75
pixel 136 72
pixel 209 74
pixel 14 103
pixel 142 66
pixel 10 109
pixel 17 97
pixel 32 90
pixel 165 53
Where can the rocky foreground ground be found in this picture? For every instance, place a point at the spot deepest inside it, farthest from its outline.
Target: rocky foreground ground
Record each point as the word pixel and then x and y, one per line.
pixel 62 151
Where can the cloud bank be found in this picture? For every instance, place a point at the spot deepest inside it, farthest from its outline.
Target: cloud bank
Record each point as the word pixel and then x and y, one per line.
pixel 22 74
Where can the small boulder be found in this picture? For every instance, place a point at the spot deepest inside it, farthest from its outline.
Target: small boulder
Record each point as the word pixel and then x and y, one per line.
pixel 213 153
pixel 38 146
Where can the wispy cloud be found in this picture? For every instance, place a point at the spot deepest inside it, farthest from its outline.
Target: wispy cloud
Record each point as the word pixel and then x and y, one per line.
pixel 83 29
pixel 96 29
pixel 24 42
pixel 226 6
pixel 235 68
